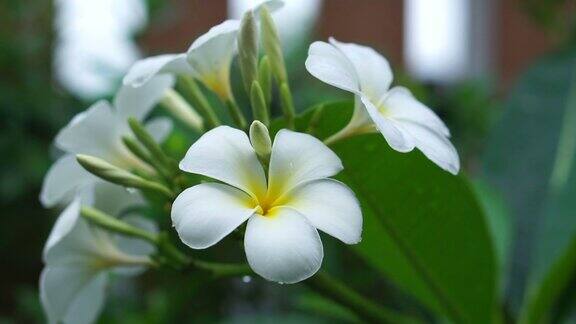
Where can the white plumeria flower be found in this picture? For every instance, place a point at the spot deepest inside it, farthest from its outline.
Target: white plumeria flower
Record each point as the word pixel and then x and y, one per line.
pixel 98 131
pixel 79 258
pixel 405 122
pixel 208 59
pixel 283 211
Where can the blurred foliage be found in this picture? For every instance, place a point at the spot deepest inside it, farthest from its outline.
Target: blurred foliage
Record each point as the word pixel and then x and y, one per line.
pixel 32 109
pixel 558 17
pixel 530 158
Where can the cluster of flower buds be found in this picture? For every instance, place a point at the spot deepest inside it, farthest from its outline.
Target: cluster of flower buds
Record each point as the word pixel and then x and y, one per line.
pixel 280 187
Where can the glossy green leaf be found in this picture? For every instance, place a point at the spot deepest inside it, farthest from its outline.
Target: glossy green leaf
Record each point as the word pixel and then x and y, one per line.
pixel 423 227
pixel 530 158
pixel 498 218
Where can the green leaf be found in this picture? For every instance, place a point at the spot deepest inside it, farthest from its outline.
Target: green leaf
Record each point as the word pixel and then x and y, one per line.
pixel 498 218
pixel 531 160
pixel 423 227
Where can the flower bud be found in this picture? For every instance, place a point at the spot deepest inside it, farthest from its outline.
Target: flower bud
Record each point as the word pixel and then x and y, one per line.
pixel 179 108
pixel 260 139
pixel 114 174
pixel 144 137
pixel 248 50
pixel 272 47
pixel 259 107
pixel 265 79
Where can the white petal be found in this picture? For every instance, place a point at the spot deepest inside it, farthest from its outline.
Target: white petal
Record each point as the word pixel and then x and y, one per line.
pixel 225 154
pixel 331 207
pixel 436 147
pixel 72 295
pixel 206 213
pixel 132 246
pixel 63 180
pixel 73 241
pixel 298 157
pixel 135 248
pixel 401 105
pixel 159 128
pixel 113 199
pixel 328 64
pixel 63 226
pixel 96 131
pixel 283 247
pixel 213 51
pixel 138 102
pixel 145 69
pixel 372 69
pixel 389 128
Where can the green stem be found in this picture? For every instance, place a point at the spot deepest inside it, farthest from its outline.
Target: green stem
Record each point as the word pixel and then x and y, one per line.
pixel 148 141
pixel 322 283
pixel 287 105
pixel 236 113
pixel 222 270
pixel 114 224
pixel 336 290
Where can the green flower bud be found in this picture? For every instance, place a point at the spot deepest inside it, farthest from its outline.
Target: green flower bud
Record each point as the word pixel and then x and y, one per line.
pixel 272 47
pixel 114 174
pixel 248 50
pixel 259 107
pixel 265 79
pixel 179 108
pixel 260 139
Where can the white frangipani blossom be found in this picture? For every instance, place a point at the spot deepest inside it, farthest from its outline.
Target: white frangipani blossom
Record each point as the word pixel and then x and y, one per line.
pixel 405 122
pixel 98 131
pixel 283 210
pixel 78 258
pixel 208 59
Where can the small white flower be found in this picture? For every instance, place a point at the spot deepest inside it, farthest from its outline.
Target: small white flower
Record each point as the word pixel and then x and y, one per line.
pixel 283 211
pixel 79 258
pixel 208 59
pixel 98 131
pixel 405 122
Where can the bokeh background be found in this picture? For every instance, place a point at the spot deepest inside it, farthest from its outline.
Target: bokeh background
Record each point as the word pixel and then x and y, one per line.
pixel 462 57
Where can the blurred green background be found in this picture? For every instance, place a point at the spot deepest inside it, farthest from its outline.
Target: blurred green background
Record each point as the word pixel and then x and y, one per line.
pixel 506 124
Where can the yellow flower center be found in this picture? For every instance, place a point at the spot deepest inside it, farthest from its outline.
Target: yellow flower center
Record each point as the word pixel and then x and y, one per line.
pixel 218 82
pixel 266 204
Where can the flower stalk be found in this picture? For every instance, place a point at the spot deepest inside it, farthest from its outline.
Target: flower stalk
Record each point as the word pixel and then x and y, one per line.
pixel 115 225
pixel 150 144
pixel 287 105
pixel 236 114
